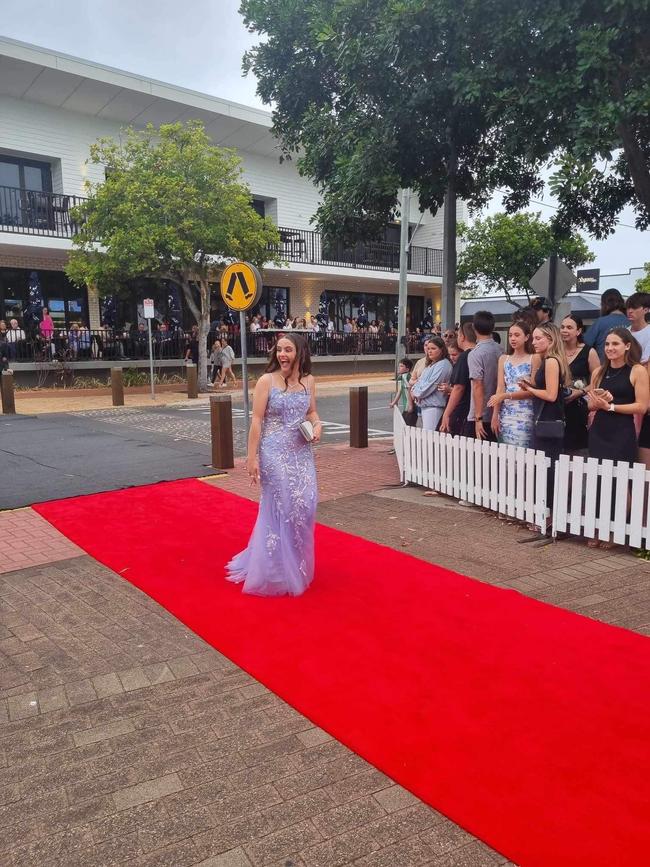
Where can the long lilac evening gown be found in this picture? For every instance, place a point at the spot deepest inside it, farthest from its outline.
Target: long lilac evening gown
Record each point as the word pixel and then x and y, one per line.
pixel 279 558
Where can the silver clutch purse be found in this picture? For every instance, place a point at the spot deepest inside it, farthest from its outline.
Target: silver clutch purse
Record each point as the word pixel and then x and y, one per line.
pixel 306 428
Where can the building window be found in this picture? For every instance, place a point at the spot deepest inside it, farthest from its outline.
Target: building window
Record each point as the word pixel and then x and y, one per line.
pixel 378 307
pixel 25 174
pixel 259 207
pixel 23 292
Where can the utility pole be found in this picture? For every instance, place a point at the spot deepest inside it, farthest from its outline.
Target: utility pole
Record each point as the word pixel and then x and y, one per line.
pixel 449 243
pixel 449 259
pixel 400 349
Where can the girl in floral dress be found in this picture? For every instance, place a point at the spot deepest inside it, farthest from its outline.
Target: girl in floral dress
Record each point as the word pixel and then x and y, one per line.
pixel 512 418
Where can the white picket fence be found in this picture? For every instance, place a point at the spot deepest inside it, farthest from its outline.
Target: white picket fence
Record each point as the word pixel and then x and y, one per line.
pixel 591 498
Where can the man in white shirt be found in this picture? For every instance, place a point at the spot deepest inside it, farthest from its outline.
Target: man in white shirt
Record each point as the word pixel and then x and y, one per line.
pixel 637 307
pixel 15 336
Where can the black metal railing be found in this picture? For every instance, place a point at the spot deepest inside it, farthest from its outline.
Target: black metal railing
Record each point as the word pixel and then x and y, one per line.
pixel 115 345
pixel 37 213
pixel 308 247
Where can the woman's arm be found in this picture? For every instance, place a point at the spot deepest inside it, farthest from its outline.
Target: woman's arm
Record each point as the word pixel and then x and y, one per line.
pixel 594 363
pixel 312 414
pixel 552 378
pixel 430 379
pixel 639 379
pixel 499 394
pixel 398 391
pixel 260 399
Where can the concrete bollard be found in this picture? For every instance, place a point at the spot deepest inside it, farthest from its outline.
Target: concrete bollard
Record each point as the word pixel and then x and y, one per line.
pixel 7 391
pixel 359 417
pixel 192 380
pixel 221 432
pixel 117 386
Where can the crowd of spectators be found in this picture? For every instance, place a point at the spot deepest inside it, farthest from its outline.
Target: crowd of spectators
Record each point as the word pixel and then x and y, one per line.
pixel 557 387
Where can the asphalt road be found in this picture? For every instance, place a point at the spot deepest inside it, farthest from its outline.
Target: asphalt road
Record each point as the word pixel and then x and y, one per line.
pixel 69 454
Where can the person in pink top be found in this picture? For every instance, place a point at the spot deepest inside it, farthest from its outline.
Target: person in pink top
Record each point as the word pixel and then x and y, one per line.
pixel 46 325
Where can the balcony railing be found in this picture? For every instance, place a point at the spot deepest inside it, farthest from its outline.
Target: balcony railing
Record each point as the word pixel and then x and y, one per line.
pixel 107 344
pixel 29 212
pixel 310 248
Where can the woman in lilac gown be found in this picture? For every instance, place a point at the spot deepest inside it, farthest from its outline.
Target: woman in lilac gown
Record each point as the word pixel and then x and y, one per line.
pixel 279 558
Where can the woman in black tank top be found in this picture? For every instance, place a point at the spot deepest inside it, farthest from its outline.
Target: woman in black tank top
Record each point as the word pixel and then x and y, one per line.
pixel 583 362
pixel 619 391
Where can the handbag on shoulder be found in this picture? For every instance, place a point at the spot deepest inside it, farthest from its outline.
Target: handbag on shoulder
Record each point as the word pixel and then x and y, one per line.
pixel 552 428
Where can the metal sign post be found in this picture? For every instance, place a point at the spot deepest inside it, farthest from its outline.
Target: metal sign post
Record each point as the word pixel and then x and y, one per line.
pixel 148 315
pixel 241 287
pixel 244 367
pixel 554 279
pixel 400 349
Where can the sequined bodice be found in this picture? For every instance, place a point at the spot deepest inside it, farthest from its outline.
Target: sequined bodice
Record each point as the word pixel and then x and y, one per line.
pixel 284 411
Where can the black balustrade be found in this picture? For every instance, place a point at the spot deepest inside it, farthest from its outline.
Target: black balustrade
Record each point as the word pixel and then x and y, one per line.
pixel 115 345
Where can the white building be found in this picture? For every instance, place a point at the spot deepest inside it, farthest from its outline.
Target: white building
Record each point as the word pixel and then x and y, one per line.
pixel 53 106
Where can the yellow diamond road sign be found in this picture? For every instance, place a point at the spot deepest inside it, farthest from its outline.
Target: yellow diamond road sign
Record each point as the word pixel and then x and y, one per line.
pixel 241 286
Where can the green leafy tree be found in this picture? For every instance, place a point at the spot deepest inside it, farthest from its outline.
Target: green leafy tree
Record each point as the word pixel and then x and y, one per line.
pixel 586 96
pixel 173 206
pixel 375 95
pixel 643 284
pixel 502 253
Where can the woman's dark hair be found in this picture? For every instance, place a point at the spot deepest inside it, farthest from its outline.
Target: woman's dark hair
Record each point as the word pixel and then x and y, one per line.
pixel 303 356
pixel 442 346
pixel 524 326
pixel 632 356
pixel 580 325
pixel 610 301
pixel 527 315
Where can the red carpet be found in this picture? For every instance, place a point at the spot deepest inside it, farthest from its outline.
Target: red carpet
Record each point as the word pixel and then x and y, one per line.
pixel 527 725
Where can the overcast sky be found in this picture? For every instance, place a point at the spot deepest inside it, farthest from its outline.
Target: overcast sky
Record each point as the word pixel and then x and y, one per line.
pixel 199 44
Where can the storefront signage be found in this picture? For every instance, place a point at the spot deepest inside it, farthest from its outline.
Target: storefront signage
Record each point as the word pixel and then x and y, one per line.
pixel 588 280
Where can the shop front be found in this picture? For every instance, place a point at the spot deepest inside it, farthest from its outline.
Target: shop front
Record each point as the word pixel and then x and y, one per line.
pixel 24 292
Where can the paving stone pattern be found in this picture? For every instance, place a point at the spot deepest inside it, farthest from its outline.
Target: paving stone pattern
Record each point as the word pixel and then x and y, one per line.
pixel 342 472
pixel 28 540
pixel 124 738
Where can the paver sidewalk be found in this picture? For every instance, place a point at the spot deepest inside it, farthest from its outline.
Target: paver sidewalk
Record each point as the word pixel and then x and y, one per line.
pixel 124 738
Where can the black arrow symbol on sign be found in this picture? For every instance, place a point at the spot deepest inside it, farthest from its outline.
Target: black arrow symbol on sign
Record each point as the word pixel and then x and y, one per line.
pixel 237 276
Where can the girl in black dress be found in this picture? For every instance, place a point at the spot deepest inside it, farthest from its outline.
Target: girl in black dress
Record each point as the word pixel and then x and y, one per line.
pixel 619 391
pixel 583 362
pixel 548 400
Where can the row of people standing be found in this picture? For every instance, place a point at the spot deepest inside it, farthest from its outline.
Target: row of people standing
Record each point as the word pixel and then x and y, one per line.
pixel 550 390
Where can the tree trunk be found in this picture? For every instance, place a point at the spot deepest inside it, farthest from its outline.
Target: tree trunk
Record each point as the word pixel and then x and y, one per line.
pixel 202 318
pixel 636 163
pixel 204 330
pixel 449 254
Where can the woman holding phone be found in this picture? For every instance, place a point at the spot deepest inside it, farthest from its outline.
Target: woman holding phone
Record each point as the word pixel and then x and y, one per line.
pixel 546 389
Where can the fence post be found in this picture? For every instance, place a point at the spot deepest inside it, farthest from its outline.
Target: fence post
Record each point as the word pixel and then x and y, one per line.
pixel 359 417
pixel 117 386
pixel 192 381
pixel 221 431
pixel 7 389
